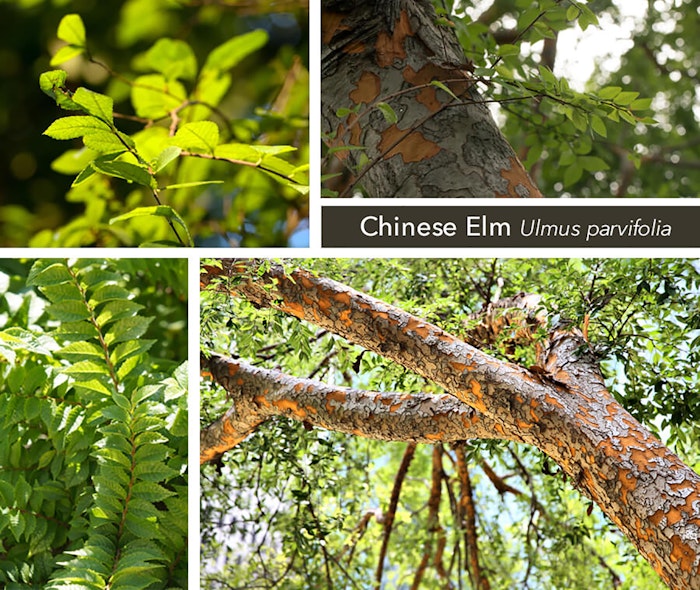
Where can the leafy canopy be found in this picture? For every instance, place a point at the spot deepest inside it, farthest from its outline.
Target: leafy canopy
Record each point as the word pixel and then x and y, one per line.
pixel 295 507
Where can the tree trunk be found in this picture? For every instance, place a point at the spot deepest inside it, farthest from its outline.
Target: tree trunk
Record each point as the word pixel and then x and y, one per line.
pixel 562 408
pixel 401 110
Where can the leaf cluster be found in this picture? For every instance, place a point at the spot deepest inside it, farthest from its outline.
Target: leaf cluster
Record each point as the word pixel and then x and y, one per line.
pixel 188 153
pixel 94 434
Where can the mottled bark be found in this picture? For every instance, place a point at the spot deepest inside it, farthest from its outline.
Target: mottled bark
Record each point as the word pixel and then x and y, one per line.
pixel 257 394
pixel 564 410
pixel 395 55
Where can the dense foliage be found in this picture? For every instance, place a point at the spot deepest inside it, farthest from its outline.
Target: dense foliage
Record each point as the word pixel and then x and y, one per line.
pixel 93 431
pixel 291 506
pixel 576 142
pixel 187 124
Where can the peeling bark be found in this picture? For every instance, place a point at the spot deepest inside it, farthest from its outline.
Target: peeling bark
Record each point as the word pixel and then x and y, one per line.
pixel 566 411
pixel 258 394
pixel 443 143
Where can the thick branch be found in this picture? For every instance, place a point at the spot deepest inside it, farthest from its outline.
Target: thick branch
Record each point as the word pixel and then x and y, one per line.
pixel 643 487
pixel 259 394
pixel 380 57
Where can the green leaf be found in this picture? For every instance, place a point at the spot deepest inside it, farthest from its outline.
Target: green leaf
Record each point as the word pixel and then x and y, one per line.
pixel 641 104
pixel 200 136
pixel 109 292
pixel 42 275
pixel 77 330
pixel 95 104
pixel 94 385
pixel 169 154
pixel 389 113
pixel 72 30
pixel 626 98
pixel 229 54
pixel 143 528
pixel 72 161
pixel 153 96
pixel 53 84
pixel 126 171
pixel 567 157
pixel 173 58
pixel 159 210
pixel 191 184
pixel 573 174
pixel 548 78
pixel 87 369
pixel 66 53
pixel 153 471
pixel 127 329
pixel 116 310
pixel 593 163
pixel 609 92
pixel 115 456
pixel 129 349
pixel 627 116
pixel 579 119
pixel 598 125
pixel 150 491
pixel 107 142
pixel 76 351
pixel 68 311
pixel 507 49
pixel 85 173
pixel 238 151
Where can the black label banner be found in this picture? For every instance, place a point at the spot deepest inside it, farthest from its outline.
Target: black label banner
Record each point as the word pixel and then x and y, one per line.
pixel 570 226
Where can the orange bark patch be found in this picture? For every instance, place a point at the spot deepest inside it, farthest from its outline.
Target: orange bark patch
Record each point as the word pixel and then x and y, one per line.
pixel 305 281
pixel 367 89
pixel 681 552
pixel 341 140
pixel 418 327
pixel 334 396
pixel 330 24
pixel 343 298
pixel 261 401
pixel 438 436
pixel 232 369
pixel 292 406
pixel 553 401
pixel 345 317
pixel 461 367
pixel 379 314
pixel 412 146
pixel 478 403
pixel 455 80
pixel 627 483
pixel 295 309
pixel 519 183
pixel 324 304
pixel 390 48
pixel 533 414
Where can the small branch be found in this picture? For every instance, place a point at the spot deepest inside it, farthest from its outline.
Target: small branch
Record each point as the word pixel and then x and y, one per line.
pixel 433 522
pixel 467 514
pixel 391 511
pixel 257 165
